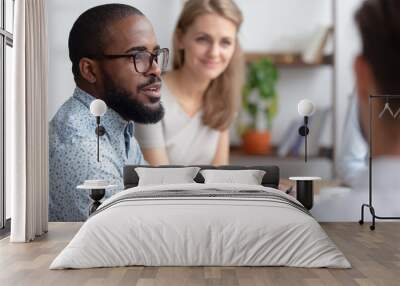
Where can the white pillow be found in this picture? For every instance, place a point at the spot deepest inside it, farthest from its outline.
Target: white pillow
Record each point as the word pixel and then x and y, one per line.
pixel 163 176
pixel 248 177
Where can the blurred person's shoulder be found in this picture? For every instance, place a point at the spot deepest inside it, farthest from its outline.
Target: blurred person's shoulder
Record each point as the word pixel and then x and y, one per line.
pixel 385 175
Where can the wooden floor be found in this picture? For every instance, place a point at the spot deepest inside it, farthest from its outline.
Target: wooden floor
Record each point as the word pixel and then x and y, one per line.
pixel 374 255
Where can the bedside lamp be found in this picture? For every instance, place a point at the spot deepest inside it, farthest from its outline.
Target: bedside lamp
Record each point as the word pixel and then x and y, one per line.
pixel 305 108
pixel 98 108
pixel 304 185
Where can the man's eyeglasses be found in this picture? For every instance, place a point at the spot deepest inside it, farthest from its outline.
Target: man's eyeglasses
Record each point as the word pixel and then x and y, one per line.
pixel 143 60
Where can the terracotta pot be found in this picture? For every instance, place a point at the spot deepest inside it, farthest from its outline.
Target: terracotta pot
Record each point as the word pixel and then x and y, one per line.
pixel 255 142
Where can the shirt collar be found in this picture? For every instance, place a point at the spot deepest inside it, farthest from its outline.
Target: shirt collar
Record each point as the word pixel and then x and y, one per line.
pixel 114 124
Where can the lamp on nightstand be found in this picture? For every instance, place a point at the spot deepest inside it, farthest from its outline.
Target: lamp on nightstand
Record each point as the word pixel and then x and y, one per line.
pixel 98 108
pixel 305 108
pixel 97 187
pixel 304 185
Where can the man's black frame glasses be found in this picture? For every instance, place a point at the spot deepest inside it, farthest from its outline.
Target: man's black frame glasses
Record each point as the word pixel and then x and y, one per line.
pixel 153 56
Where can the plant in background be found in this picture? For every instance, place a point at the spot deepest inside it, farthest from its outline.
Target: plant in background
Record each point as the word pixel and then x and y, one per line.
pixel 260 99
pixel 260 104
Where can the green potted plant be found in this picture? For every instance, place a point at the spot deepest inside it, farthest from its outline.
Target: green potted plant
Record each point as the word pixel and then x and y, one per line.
pixel 260 103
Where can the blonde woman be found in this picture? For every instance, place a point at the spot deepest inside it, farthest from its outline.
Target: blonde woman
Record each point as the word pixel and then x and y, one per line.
pixel 202 92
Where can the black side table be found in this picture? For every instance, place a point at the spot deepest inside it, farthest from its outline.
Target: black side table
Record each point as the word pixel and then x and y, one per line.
pixel 304 190
pixel 96 193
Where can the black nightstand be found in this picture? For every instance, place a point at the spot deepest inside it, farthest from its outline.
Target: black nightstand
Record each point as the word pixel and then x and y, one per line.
pixel 96 193
pixel 304 190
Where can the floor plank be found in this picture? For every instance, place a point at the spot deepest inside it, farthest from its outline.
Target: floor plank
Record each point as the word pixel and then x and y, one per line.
pixel 374 255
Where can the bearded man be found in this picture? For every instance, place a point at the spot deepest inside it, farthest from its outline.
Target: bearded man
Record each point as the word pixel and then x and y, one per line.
pixel 115 57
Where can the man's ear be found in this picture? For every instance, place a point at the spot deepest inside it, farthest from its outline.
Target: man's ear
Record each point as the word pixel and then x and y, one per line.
pixel 88 69
pixel 364 77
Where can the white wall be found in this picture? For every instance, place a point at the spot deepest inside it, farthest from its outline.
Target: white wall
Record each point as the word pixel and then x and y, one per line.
pixel 269 25
pixel 287 25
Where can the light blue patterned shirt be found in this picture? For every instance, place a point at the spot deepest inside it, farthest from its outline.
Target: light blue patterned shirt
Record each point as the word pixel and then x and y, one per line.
pixel 73 155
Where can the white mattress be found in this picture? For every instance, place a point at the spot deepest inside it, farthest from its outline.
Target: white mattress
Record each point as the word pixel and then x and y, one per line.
pixel 183 231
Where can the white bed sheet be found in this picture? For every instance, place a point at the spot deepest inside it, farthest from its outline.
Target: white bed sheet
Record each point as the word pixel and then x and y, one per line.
pixel 200 231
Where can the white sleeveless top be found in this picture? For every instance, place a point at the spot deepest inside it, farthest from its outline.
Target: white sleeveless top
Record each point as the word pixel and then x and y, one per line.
pixel 186 139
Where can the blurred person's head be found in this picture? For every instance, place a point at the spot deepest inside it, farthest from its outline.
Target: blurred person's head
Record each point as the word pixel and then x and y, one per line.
pixel 377 67
pixel 205 44
pixel 100 42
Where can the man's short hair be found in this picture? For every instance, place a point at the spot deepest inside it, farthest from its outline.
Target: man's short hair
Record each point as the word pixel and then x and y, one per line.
pixel 379 25
pixel 88 35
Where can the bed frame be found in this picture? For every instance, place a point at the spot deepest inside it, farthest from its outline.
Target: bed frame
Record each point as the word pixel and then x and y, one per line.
pixel 270 179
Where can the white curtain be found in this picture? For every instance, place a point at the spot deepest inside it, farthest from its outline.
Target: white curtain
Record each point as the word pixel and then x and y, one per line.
pixel 26 123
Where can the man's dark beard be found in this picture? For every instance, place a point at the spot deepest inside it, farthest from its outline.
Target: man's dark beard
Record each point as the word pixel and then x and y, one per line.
pixel 126 105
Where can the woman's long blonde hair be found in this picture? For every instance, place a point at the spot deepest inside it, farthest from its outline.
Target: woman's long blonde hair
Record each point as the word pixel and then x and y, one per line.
pixel 222 97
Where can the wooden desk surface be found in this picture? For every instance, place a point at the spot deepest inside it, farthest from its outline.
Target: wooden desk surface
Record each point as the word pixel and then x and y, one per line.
pixel 284 184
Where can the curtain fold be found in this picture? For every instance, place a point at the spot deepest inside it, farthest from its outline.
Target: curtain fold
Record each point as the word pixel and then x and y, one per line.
pixel 27 142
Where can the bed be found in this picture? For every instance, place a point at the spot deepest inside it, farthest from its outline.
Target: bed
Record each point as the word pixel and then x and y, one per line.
pixel 201 224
